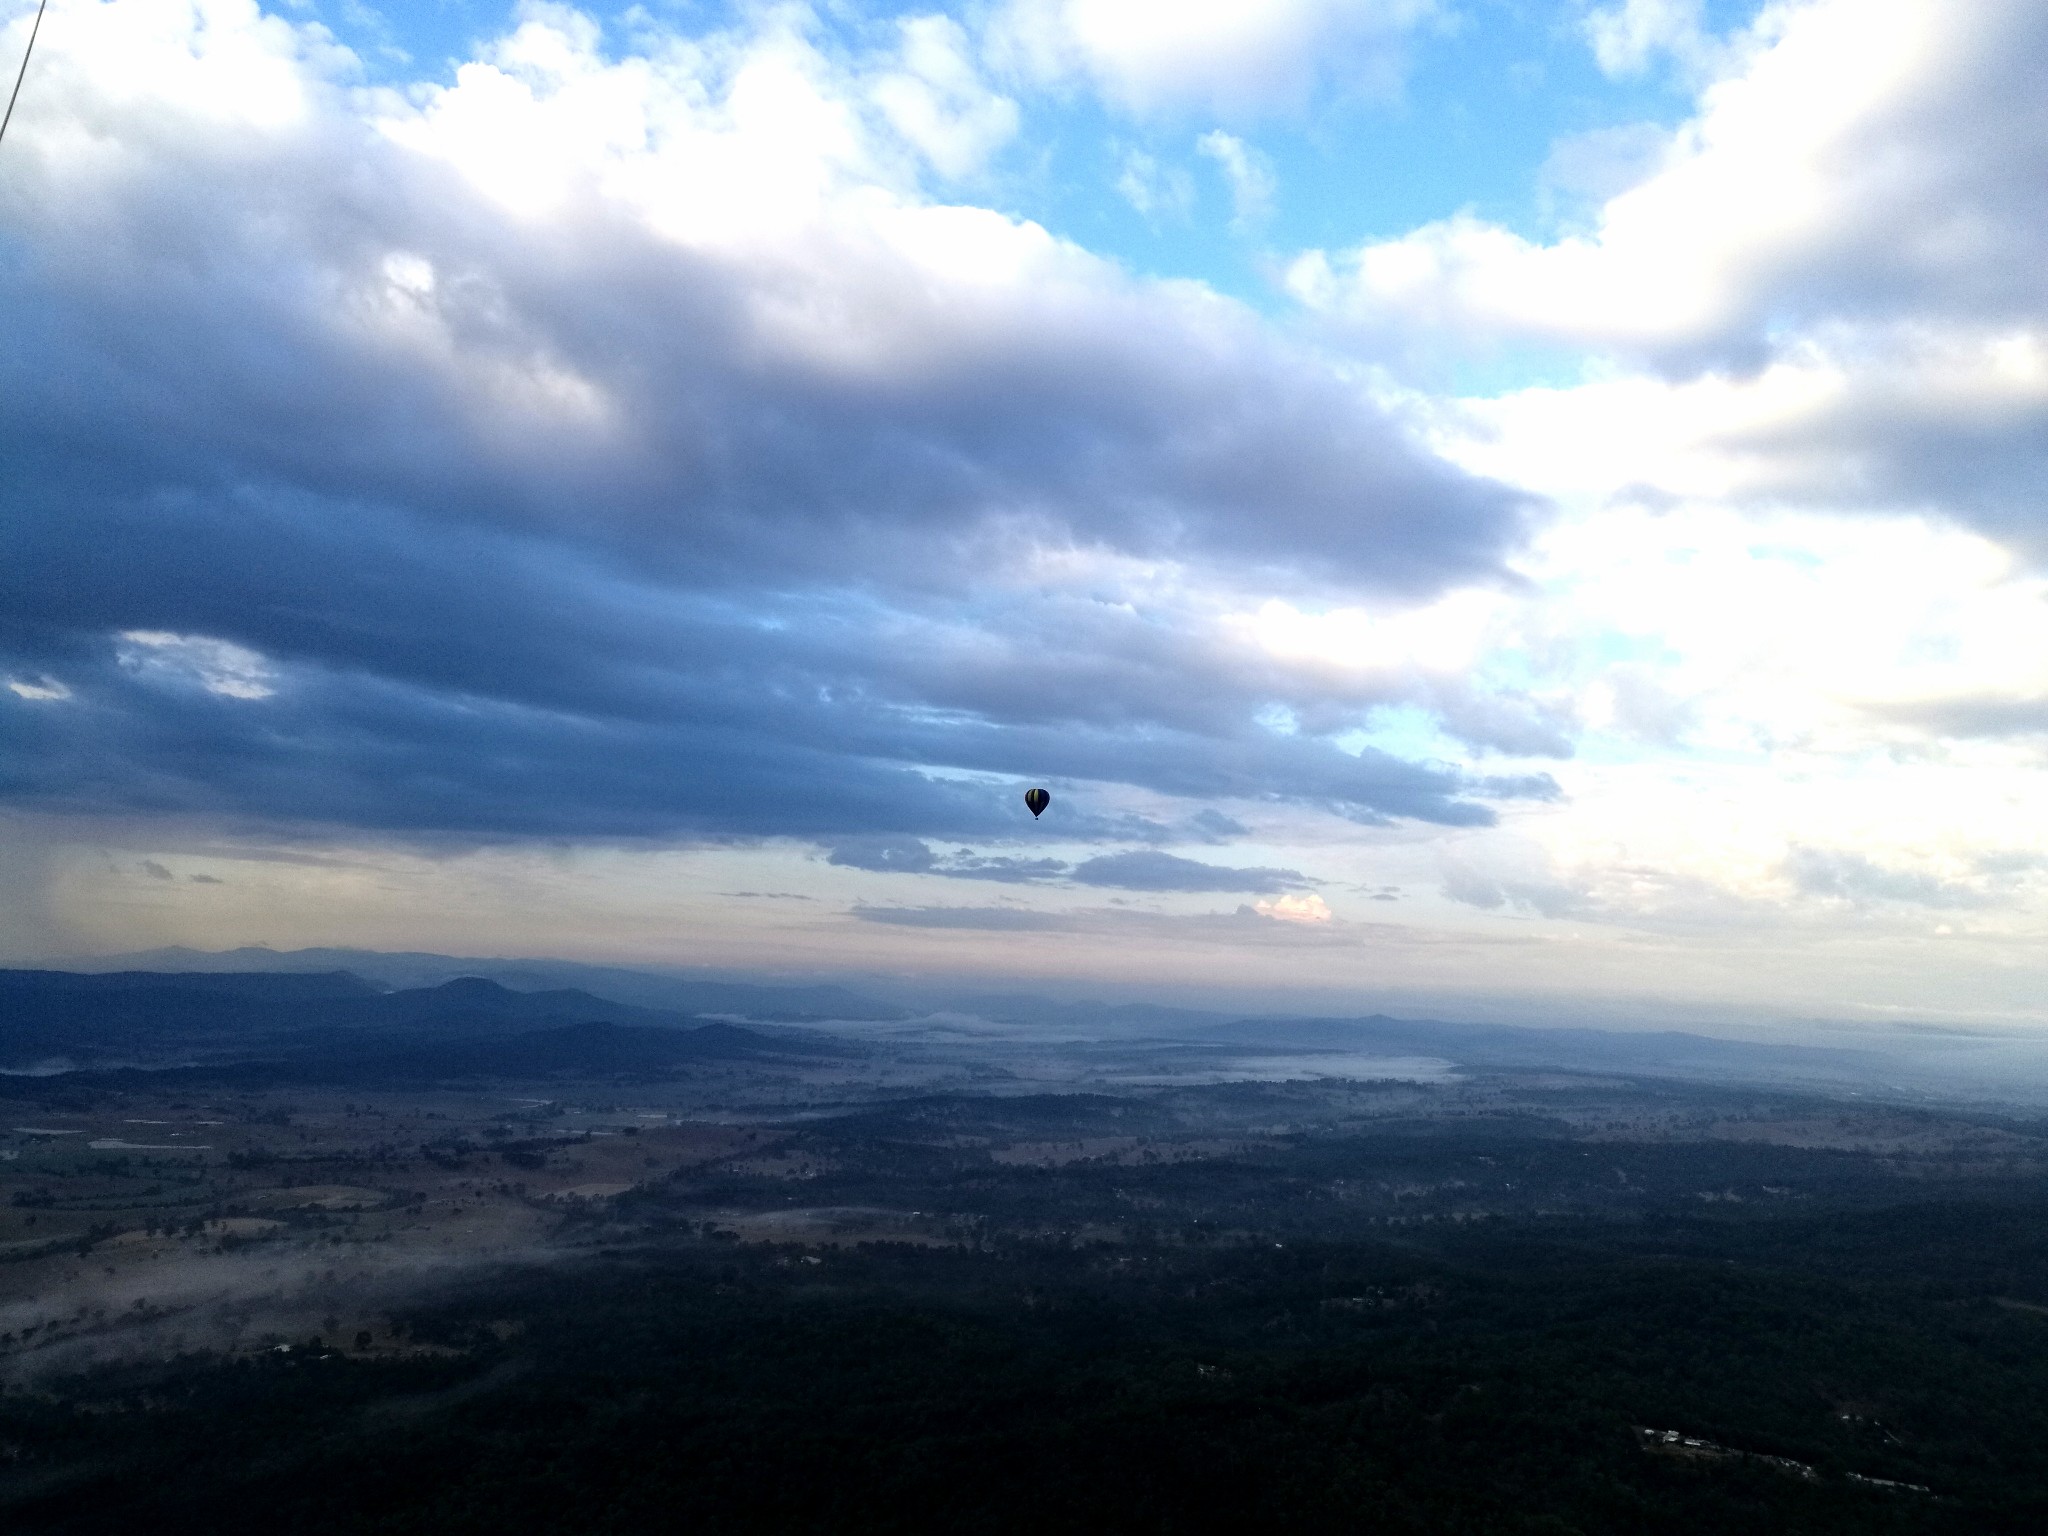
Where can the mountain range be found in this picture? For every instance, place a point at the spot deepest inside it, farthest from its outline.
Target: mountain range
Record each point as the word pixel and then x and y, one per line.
pixel 51 1019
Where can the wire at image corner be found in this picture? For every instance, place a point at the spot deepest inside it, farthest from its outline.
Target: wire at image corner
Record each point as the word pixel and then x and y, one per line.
pixel 22 74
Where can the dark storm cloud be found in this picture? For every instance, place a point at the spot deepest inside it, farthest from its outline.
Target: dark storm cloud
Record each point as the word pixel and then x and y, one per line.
pixel 569 541
pixel 765 738
pixel 366 753
pixel 1150 870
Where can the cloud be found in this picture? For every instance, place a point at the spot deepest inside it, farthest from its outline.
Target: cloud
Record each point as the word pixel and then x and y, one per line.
pixel 1822 282
pixel 1845 875
pixel 626 445
pixel 1308 908
pixel 1583 171
pixel 1546 897
pixel 1248 173
pixel 1140 870
pixel 1984 716
pixel 40 689
pixel 571 728
pixel 938 102
pixel 967 865
pixel 1262 925
pixel 1152 870
pixel 1628 37
pixel 156 871
pixel 884 855
pixel 1467 885
pixel 912 856
pixel 219 666
pixel 991 919
pixel 1235 57
pixel 1632 700
pixel 1156 191
pixel 206 880
pixel 1214 827
pixel 1860 159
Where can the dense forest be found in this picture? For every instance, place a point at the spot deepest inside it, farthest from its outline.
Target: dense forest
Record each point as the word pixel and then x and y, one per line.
pixel 1471 1324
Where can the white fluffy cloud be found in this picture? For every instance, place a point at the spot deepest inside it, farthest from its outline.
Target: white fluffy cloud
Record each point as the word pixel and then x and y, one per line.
pixel 1818 297
pixel 1863 161
pixel 1156 191
pixel 1232 56
pixel 1631 35
pixel 1824 289
pixel 937 100
pixel 219 666
pixel 1246 172
pixel 1790 718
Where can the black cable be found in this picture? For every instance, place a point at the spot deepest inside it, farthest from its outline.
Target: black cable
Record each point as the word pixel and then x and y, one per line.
pixel 22 74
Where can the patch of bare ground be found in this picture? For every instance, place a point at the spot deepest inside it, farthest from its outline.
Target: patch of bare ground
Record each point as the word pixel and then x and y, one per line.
pixel 840 1227
pixel 1684 1447
pixel 319 1197
pixel 1693 1448
pixel 1848 1133
pixel 1123 1151
pixel 794 1165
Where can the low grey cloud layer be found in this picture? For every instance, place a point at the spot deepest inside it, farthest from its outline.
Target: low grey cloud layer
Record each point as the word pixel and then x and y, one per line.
pixel 1549 898
pixel 976 919
pixel 1123 923
pixel 1146 869
pixel 1150 870
pixel 1845 875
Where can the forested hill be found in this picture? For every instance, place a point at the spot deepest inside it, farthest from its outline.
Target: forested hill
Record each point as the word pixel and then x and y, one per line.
pixel 142 1016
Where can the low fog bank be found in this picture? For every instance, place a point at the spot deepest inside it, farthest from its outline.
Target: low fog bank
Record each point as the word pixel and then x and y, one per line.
pixel 201 1298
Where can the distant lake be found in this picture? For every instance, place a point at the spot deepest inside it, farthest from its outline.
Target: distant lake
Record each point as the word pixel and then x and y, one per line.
pixel 1295 1066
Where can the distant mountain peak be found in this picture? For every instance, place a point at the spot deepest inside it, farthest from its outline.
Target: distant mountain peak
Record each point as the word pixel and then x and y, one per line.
pixel 472 989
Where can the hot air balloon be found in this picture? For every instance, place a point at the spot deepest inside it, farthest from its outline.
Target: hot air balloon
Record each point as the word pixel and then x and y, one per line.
pixel 1038 800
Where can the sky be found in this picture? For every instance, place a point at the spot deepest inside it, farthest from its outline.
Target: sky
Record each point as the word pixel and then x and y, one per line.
pixel 1523 509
